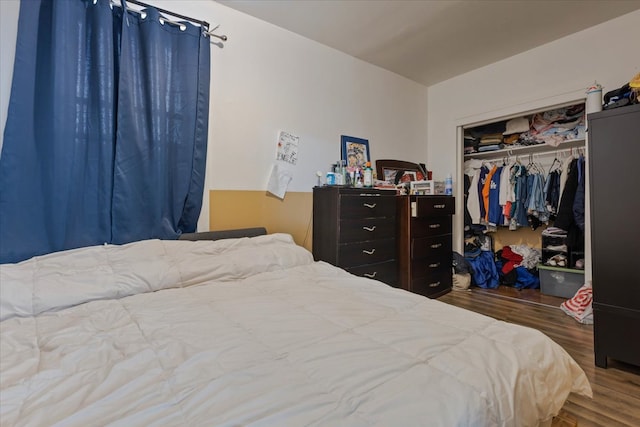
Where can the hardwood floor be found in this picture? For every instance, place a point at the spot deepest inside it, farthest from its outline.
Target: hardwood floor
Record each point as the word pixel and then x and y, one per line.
pixel 616 390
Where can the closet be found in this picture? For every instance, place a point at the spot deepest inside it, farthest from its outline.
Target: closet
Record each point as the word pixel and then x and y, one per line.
pixel 521 176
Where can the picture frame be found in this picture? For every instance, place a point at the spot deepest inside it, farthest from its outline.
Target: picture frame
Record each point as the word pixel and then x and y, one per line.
pixel 355 152
pixel 387 170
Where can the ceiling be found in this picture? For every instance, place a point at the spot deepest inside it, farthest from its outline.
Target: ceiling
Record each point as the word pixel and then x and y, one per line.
pixel 429 41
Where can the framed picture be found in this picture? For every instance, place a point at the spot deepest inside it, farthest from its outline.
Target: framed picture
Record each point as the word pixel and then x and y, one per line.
pixel 396 171
pixel 355 151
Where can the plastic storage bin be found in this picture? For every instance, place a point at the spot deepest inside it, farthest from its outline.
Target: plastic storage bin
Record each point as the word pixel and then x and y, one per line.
pixel 560 282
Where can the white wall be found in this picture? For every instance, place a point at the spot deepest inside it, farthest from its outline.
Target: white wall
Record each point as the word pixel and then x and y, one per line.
pixel 551 74
pixel 267 79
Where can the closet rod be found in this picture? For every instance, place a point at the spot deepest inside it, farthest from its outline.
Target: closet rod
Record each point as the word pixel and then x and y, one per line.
pixel 204 24
pixel 546 153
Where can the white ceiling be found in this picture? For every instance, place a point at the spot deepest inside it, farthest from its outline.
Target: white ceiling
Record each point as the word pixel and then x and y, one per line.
pixel 429 41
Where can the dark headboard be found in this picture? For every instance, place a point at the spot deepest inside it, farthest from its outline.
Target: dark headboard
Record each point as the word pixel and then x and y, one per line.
pixel 224 234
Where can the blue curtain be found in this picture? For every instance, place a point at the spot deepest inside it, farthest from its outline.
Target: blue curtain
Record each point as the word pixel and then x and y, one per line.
pixel 106 134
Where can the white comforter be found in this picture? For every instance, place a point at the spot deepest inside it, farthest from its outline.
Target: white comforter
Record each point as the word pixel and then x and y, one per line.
pixel 253 332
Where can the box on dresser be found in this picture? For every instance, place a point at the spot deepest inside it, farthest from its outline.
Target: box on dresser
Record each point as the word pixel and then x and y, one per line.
pixel 355 229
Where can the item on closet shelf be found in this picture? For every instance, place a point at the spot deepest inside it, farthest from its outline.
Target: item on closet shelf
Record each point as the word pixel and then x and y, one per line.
pixel 594 98
pixel 517 125
pixel 557 261
pixel 554 231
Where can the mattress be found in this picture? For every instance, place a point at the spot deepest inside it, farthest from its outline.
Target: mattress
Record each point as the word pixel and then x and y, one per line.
pixel 253 332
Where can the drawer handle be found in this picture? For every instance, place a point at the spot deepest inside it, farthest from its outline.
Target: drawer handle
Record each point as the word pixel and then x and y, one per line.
pixel 371 252
pixel 434 284
pixel 370 206
pixel 439 206
pixel 434 225
pixel 434 265
pixel 369 228
pixel 436 245
pixel 370 275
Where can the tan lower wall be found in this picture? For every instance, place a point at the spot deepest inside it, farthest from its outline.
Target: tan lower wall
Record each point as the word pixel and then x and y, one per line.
pixel 293 215
pixel 240 209
pixel 523 236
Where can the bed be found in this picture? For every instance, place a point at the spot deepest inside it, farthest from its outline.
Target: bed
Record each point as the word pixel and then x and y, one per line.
pixel 253 332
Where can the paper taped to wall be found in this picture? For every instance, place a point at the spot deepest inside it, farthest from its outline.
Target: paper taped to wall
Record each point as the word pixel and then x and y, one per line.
pixel 287 147
pixel 279 181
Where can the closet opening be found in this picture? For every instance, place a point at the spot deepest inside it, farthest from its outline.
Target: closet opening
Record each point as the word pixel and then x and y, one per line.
pixel 525 218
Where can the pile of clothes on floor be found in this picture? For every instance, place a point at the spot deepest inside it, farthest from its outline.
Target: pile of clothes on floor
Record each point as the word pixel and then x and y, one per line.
pixel 579 307
pixel 514 265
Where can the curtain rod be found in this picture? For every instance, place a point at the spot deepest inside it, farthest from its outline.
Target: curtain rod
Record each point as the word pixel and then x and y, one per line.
pixel 204 24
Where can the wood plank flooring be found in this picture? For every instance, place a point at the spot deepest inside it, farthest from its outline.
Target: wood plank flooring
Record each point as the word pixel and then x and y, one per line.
pixel 616 390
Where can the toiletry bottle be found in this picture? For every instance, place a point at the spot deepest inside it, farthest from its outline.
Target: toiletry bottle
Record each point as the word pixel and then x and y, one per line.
pixel 368 175
pixel 448 185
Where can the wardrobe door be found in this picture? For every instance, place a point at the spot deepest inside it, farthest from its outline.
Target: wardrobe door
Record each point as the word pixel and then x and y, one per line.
pixel 614 156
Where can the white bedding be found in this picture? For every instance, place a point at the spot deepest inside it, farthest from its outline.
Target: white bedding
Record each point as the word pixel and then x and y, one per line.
pixel 253 332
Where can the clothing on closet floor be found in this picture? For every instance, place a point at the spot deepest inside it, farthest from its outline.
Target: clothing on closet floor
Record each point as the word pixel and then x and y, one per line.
pixel 484 272
pixel 516 269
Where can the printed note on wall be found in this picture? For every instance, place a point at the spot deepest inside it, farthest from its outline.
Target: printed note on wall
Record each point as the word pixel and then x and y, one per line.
pixel 287 147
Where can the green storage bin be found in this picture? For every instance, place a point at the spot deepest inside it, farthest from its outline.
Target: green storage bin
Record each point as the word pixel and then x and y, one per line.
pixel 560 282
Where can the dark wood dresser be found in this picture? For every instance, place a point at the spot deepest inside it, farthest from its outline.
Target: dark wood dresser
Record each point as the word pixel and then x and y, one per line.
pixel 425 244
pixel 614 151
pixel 355 229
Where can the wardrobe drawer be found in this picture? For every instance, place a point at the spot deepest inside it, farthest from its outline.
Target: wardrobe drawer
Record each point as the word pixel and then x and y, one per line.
pixel 358 230
pixel 432 205
pixel 370 252
pixel 433 285
pixel 367 206
pixel 430 226
pixel 386 272
pixel 429 266
pixel 431 247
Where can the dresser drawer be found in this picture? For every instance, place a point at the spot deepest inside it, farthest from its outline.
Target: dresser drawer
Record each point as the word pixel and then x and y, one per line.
pixel 358 230
pixel 433 285
pixel 386 272
pixel 431 247
pixel 430 226
pixel 367 206
pixel 432 205
pixel 429 266
pixel 370 252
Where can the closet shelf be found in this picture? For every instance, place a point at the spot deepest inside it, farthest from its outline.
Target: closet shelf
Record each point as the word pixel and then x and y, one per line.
pixel 526 149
